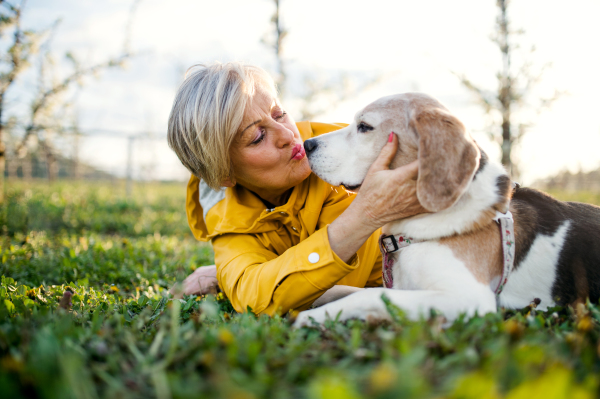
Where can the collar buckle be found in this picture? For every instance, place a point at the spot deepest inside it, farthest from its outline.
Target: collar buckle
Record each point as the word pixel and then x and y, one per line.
pixel 389 243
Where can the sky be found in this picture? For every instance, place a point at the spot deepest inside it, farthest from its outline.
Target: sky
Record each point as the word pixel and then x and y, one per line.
pixel 412 45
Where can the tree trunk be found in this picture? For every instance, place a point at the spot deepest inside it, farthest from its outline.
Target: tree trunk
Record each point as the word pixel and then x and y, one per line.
pixel 51 165
pixel 2 168
pixel 2 152
pixel 506 145
pixel 76 164
pixel 27 167
pixel 12 168
pixel 505 92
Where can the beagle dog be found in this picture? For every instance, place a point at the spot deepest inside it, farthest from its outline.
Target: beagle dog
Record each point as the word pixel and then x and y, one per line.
pixel 456 260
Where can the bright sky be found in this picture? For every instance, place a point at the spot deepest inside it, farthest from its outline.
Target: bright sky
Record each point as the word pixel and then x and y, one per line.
pixel 415 43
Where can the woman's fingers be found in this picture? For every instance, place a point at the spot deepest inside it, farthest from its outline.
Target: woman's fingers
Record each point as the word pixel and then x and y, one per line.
pixel 201 282
pixel 408 171
pixel 386 155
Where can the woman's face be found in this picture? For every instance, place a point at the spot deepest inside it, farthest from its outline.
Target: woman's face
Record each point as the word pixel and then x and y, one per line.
pixel 268 155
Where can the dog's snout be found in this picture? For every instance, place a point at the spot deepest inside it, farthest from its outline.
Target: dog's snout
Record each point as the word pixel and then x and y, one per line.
pixel 310 145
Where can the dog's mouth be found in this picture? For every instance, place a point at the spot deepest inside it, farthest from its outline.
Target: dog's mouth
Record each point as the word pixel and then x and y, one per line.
pixel 351 187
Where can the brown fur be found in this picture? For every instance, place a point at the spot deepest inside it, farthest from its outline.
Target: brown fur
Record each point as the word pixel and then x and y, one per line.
pixel 480 250
pixel 448 157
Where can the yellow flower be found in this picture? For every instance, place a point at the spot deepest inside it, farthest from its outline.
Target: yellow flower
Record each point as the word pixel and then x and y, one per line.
pixel 585 324
pixel 514 328
pixel 225 336
pixel 383 377
pixel 114 288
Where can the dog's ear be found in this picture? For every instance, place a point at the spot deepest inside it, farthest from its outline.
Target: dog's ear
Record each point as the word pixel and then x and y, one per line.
pixel 448 157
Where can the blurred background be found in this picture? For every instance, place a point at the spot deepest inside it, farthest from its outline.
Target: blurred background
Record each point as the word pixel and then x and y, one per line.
pixel 87 86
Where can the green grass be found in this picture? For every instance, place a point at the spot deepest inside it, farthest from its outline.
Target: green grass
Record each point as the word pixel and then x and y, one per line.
pixel 124 338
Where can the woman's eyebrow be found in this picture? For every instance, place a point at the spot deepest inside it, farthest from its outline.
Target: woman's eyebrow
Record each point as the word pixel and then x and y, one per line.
pixel 250 125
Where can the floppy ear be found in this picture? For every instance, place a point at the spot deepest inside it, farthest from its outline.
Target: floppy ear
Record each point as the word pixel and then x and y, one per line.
pixel 448 157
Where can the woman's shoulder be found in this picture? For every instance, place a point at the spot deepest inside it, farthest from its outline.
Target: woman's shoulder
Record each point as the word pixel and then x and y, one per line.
pixel 309 129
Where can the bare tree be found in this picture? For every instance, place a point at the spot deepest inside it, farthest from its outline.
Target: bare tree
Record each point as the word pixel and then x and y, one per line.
pixel 514 90
pixel 275 42
pixel 320 92
pixel 16 59
pixel 48 110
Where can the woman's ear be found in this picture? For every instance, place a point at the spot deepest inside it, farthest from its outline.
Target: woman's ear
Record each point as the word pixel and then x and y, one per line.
pixel 227 183
pixel 448 157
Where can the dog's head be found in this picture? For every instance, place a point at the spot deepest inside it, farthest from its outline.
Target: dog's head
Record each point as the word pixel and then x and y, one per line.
pixel 448 156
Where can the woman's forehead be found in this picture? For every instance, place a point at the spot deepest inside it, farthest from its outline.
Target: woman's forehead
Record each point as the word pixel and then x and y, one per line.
pixel 261 100
pixel 257 106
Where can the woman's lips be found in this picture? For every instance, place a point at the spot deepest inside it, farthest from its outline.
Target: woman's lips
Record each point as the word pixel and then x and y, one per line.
pixel 298 152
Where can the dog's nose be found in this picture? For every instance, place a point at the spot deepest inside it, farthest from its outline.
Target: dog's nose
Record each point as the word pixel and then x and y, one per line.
pixel 310 145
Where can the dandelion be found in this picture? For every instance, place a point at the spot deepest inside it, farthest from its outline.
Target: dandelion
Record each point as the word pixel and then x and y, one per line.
pixel 585 324
pixel 225 336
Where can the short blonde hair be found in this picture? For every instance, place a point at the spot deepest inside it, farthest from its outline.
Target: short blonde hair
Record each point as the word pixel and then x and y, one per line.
pixel 207 112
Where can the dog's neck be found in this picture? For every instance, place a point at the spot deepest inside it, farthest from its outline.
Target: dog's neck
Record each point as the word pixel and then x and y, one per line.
pixel 489 192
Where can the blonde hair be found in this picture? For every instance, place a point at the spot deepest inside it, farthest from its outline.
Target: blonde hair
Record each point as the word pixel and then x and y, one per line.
pixel 207 112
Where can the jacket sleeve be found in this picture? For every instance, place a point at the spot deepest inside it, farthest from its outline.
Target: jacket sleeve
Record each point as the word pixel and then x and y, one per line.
pixel 376 277
pixel 267 283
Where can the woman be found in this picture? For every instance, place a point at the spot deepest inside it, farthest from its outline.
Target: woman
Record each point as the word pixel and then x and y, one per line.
pixel 281 236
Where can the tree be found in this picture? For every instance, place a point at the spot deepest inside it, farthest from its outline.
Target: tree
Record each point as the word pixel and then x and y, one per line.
pixel 319 92
pixel 514 90
pixel 16 59
pixel 48 108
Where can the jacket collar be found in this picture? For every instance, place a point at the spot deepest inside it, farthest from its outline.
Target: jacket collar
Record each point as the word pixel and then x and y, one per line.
pixel 239 210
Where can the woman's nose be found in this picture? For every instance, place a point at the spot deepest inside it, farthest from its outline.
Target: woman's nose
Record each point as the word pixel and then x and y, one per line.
pixel 284 136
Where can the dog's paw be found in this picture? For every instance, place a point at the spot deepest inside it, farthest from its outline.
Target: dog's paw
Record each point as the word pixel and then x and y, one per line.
pixel 310 318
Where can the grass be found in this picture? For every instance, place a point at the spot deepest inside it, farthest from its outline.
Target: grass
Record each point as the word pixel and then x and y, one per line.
pixel 122 337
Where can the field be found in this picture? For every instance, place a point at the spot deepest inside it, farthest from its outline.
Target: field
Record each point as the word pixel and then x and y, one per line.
pixel 122 337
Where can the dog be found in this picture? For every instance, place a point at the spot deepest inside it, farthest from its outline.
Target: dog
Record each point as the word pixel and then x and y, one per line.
pixel 457 261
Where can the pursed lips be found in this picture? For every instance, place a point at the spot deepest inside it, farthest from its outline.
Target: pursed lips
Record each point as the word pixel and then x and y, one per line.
pixel 298 152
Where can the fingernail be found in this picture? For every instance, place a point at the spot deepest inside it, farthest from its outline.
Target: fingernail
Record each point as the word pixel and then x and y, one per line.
pixel 391 138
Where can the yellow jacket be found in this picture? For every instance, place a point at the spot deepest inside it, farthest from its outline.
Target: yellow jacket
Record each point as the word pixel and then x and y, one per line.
pixel 274 260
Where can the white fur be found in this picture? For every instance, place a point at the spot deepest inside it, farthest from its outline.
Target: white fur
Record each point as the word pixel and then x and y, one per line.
pixel 481 195
pixel 536 273
pixel 339 163
pixel 429 277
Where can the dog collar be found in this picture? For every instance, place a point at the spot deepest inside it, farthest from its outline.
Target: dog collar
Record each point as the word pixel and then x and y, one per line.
pixel 507 231
pixel 392 243
pixel 389 244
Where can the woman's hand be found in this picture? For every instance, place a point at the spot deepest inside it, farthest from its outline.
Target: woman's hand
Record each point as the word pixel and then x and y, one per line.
pixel 201 282
pixel 387 195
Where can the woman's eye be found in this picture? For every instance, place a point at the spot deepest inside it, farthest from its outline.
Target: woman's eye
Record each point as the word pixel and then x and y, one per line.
pixel 363 127
pixel 260 138
pixel 279 117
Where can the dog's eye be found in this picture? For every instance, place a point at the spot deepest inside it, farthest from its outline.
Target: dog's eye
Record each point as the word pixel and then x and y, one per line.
pixel 363 127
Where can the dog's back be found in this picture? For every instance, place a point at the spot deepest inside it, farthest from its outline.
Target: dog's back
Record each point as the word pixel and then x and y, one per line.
pixel 564 233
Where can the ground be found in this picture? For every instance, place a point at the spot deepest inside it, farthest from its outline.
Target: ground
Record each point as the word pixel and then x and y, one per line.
pixel 122 337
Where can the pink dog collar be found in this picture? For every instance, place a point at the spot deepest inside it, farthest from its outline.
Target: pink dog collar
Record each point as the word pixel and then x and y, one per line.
pixel 387 245
pixel 393 243
pixel 507 231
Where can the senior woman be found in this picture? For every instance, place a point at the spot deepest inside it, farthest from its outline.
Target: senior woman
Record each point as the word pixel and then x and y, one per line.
pixel 281 236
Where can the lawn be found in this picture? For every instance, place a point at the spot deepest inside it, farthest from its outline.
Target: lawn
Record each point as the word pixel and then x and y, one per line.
pixel 123 337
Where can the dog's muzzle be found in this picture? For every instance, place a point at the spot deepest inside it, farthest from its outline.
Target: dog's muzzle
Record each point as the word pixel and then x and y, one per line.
pixel 310 145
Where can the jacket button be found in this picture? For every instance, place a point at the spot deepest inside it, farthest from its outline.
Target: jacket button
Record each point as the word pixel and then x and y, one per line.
pixel 314 257
pixel 295 229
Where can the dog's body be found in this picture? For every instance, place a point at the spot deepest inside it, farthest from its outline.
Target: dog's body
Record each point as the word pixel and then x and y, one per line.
pixel 460 263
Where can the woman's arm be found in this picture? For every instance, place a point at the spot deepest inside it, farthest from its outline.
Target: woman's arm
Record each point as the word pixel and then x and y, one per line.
pixel 252 276
pixel 384 196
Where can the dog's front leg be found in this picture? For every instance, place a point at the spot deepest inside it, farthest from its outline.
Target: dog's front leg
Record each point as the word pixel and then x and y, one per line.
pixel 368 304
